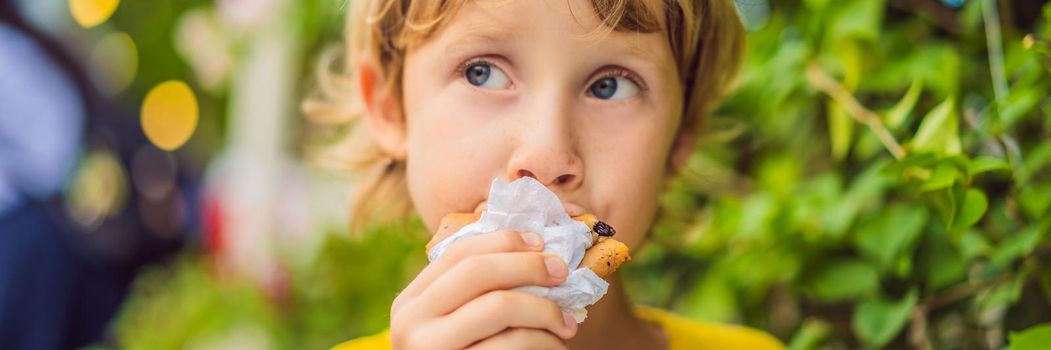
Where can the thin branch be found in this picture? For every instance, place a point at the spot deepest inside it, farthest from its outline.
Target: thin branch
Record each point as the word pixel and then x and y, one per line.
pixel 957 293
pixel 994 44
pixel 825 83
pixel 919 337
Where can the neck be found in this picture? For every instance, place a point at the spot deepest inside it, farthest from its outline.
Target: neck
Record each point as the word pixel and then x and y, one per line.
pixel 612 325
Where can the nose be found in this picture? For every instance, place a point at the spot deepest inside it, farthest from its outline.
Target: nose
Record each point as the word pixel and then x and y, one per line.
pixel 546 153
pixel 554 168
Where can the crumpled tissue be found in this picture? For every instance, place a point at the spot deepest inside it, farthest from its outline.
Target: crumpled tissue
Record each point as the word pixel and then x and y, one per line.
pixel 526 205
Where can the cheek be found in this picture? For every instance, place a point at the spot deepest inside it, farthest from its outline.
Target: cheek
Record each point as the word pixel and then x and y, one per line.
pixel 631 184
pixel 627 175
pixel 452 157
pixel 447 174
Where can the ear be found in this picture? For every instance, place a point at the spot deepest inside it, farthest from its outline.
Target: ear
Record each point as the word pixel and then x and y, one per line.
pixel 382 113
pixel 685 141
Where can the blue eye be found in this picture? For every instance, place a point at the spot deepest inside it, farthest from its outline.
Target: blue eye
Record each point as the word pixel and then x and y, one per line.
pixel 486 76
pixel 613 88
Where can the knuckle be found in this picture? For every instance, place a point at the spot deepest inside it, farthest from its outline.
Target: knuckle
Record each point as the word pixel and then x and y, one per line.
pixel 399 301
pixel 402 322
pixel 415 340
pixel 397 325
pixel 519 335
pixel 474 265
pixel 511 240
pixel 553 311
pixel 456 252
pixel 501 299
pixel 400 304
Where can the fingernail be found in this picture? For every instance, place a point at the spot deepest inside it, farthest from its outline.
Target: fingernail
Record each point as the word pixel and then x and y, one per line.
pixel 570 321
pixel 531 238
pixel 555 267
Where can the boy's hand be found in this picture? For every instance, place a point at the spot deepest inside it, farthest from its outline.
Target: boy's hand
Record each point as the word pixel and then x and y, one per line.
pixel 462 300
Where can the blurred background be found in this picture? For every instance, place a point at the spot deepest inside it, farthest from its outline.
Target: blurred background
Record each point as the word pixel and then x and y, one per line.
pixel 881 179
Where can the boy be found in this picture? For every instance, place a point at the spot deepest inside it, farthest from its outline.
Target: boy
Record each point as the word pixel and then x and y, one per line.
pixel 598 100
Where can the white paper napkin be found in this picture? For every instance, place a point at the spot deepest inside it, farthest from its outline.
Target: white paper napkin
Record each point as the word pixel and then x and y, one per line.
pixel 526 205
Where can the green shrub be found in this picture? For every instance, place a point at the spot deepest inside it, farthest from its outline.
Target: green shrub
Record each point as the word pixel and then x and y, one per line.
pixel 869 185
pixel 875 182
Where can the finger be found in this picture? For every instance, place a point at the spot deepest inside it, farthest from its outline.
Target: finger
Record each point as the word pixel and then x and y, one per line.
pixel 495 242
pixel 521 338
pixel 480 274
pixel 499 310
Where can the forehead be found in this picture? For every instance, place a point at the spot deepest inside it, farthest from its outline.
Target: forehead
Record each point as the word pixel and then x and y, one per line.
pixel 627 15
pixel 574 22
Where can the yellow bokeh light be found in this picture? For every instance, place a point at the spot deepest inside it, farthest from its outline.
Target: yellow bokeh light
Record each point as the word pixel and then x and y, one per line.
pixel 99 188
pixel 169 114
pixel 90 13
pixel 117 60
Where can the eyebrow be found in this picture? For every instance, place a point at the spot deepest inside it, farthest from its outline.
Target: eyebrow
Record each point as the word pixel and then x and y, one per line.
pixel 479 36
pixel 633 51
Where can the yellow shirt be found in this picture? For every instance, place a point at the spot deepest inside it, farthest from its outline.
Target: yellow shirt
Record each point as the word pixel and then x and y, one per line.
pixel 682 334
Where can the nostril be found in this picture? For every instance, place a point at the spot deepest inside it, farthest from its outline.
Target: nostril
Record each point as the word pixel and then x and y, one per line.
pixel 524 173
pixel 564 179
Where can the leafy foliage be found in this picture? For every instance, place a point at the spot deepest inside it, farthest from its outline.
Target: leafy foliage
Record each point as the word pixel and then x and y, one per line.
pixel 869 185
pixel 345 292
pixel 866 186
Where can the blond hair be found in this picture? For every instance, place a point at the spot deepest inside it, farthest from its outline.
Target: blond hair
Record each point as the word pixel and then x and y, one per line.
pixel 706 38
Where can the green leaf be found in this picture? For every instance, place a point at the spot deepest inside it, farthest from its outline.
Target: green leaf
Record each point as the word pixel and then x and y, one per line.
pixel 1045 283
pixel 986 164
pixel 876 320
pixel 1016 246
pixel 816 5
pixel 1035 199
pixel 945 203
pixel 910 161
pixel 779 174
pixel 972 245
pixel 973 207
pixel 839 213
pixel 1019 102
pixel 1002 294
pixel 892 234
pixel 858 19
pixel 757 211
pixel 943 176
pixel 712 300
pixel 938 132
pixel 971 16
pixel 810 336
pixel 1047 12
pixel 944 266
pixel 1032 338
pixel 898 114
pixel 842 280
pixel 1037 158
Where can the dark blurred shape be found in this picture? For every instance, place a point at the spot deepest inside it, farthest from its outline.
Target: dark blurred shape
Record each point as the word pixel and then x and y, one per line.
pixel 74 232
